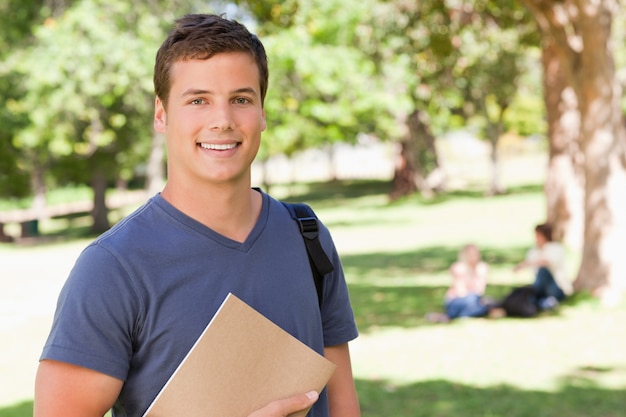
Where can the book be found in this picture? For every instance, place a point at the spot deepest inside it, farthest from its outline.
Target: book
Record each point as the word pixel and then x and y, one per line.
pixel 241 362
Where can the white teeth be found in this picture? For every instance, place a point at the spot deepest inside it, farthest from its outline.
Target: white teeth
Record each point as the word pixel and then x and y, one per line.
pixel 218 147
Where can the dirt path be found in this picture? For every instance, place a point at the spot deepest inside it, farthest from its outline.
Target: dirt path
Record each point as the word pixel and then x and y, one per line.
pixel 30 280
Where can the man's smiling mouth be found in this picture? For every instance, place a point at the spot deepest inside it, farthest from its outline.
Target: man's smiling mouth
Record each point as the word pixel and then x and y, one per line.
pixel 218 146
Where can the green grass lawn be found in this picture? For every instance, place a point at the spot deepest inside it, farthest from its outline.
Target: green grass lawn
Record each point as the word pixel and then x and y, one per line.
pixel 396 255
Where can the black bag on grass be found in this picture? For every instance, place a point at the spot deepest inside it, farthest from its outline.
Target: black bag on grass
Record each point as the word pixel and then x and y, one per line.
pixel 521 302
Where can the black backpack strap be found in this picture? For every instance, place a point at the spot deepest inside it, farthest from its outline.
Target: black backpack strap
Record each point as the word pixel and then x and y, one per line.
pixel 320 263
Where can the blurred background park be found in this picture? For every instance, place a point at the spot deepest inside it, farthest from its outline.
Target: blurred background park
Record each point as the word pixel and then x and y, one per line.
pixel 411 127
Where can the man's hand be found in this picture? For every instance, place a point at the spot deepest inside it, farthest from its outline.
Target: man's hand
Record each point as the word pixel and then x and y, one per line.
pixel 282 408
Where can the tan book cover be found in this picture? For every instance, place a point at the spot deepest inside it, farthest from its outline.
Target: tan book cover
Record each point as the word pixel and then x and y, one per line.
pixel 241 362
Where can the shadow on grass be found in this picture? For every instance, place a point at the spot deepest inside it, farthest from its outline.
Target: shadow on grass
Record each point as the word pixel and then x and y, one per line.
pixel 447 399
pixel 424 260
pixel 579 396
pixel 377 307
pixel 473 194
pixel 333 191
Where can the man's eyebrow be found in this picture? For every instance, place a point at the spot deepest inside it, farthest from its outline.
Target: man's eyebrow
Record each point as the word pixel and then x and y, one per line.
pixel 194 92
pixel 246 90
pixel 198 91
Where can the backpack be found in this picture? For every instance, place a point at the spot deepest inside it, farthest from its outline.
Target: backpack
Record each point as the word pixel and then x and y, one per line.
pixel 309 228
pixel 521 302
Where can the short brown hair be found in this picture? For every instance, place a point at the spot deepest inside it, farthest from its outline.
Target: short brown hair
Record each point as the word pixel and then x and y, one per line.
pixel 202 36
pixel 545 230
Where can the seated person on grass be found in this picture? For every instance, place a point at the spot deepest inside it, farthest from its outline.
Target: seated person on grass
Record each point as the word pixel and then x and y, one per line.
pixel 547 260
pixel 465 296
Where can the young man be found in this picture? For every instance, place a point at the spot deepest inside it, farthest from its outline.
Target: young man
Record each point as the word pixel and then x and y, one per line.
pixel 547 259
pixel 141 294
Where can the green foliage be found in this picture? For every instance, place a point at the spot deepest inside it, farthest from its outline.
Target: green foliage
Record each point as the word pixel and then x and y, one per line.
pixel 17 20
pixel 455 61
pixel 90 71
pixel 522 116
pixel 80 98
pixel 447 58
pixel 14 178
pixel 86 79
pixel 18 17
pixel 271 13
pixel 75 83
pixel 322 88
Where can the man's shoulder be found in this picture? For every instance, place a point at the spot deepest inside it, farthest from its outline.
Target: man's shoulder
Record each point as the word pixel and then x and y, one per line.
pixel 554 244
pixel 134 228
pixel 555 248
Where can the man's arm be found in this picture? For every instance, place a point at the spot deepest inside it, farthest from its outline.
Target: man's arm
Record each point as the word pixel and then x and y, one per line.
pixel 63 389
pixel 342 397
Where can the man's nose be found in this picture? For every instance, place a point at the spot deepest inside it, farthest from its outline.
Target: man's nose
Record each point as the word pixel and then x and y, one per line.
pixel 221 116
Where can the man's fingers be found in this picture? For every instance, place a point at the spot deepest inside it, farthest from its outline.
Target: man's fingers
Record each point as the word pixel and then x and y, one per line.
pixel 284 407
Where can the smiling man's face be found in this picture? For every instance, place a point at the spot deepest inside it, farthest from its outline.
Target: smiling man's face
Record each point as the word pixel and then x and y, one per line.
pixel 213 119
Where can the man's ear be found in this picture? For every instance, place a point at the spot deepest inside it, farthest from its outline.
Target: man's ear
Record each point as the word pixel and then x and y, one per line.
pixel 160 117
pixel 264 121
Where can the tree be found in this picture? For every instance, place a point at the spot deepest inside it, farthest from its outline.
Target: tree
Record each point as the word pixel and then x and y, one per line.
pixel 565 174
pixel 457 64
pixel 579 34
pixel 323 89
pixel 405 71
pixel 92 75
pixel 17 20
pixel 492 65
pixel 86 77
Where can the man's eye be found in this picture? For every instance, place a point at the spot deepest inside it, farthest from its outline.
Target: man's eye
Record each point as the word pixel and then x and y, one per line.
pixel 196 101
pixel 241 100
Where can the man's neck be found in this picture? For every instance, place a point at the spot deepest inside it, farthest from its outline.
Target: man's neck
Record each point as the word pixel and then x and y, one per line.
pixel 229 211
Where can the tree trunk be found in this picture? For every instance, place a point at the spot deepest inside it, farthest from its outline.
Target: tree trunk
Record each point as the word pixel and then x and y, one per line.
pixel 155 172
pixel 332 164
pixel 418 164
pixel 265 178
pixel 38 184
pixel 494 130
pixel 581 32
pixel 565 176
pixel 603 268
pixel 403 182
pixel 100 211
